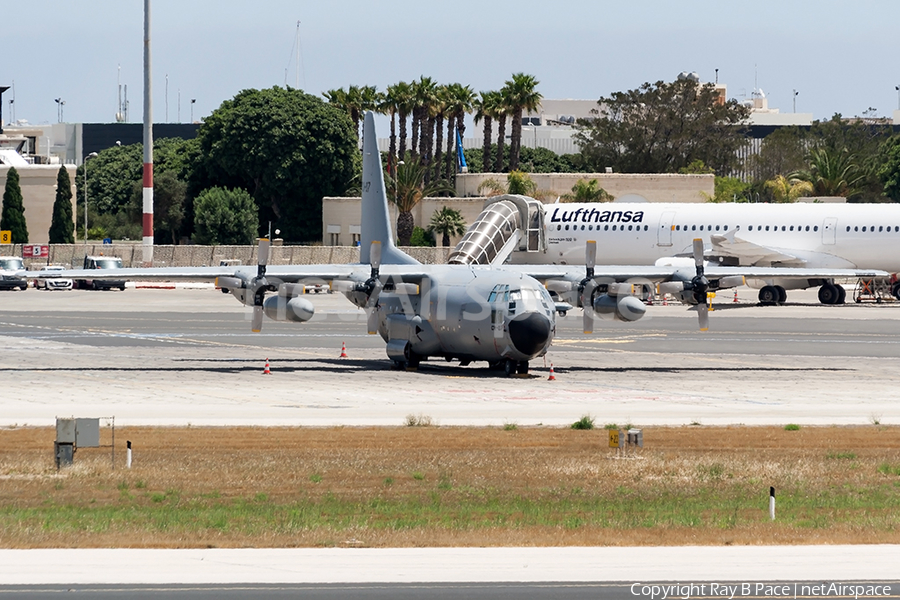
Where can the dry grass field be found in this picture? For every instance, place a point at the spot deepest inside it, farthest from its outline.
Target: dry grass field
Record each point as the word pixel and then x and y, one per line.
pixel 451 486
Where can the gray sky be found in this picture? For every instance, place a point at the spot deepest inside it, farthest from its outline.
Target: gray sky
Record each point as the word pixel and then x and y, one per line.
pixel 840 56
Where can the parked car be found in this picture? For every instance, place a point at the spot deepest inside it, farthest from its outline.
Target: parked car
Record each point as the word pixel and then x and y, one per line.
pixel 10 273
pixel 61 283
pixel 101 262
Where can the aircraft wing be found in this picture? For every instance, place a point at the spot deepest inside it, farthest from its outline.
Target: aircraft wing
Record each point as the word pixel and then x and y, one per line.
pixel 666 273
pixel 285 273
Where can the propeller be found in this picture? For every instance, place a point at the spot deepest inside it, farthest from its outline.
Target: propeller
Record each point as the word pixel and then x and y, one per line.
pixel 700 286
pixel 259 284
pixel 373 284
pixel 587 285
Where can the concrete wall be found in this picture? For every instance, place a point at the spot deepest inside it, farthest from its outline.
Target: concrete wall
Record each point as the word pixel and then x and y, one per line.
pixel 38 183
pixel 662 187
pixel 72 255
pixel 343 215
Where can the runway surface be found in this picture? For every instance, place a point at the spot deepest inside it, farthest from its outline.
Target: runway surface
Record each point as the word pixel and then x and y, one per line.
pixel 188 357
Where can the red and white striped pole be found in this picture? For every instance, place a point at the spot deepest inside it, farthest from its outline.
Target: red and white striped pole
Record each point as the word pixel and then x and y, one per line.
pixel 147 244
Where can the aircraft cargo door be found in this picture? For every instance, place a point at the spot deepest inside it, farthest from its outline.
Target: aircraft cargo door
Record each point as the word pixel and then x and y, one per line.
pixel 664 235
pixel 829 229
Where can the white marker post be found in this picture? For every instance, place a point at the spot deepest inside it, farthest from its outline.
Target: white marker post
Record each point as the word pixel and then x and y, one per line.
pixel 772 503
pixel 128 455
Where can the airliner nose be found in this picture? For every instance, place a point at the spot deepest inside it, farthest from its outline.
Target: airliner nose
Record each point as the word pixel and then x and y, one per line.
pixel 529 333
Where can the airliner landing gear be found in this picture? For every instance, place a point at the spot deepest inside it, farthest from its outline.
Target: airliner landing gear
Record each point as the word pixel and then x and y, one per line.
pixel 895 290
pixel 771 295
pixel 832 294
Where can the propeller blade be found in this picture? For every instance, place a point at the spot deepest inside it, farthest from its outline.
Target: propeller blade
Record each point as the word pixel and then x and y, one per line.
pixel 703 315
pixel 698 253
pixel 587 316
pixel 262 257
pixel 375 255
pixel 257 319
pixel 590 254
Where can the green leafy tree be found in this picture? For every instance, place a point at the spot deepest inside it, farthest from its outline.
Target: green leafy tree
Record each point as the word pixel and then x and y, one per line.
pixel 169 194
pixel 662 127
pixel 520 95
pixel 225 217
pixel 520 183
pixel 730 189
pixel 12 217
pixel 420 237
pixel 889 168
pixel 287 148
pixel 62 228
pixel 447 222
pixel 588 191
pixel 782 151
pixel 788 190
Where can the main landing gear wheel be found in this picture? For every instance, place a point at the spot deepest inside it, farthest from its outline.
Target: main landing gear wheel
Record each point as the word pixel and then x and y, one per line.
pixel 895 290
pixel 509 367
pixel 842 294
pixel 768 295
pixel 523 367
pixel 829 294
pixel 782 294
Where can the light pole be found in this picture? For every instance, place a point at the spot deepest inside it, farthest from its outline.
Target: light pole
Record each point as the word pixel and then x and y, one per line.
pixel 193 101
pixel 897 87
pixel 795 100
pixel 59 108
pixel 86 159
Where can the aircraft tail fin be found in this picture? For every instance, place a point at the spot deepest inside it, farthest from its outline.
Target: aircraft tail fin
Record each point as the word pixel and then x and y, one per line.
pixel 376 218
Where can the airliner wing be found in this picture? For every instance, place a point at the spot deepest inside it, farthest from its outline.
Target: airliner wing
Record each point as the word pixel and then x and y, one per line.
pixel 749 253
pixel 666 273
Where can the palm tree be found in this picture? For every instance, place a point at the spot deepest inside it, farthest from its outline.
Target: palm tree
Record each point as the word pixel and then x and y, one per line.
pixel 424 91
pixel 404 96
pixel 439 110
pixel 587 191
pixel 501 111
pixel 520 95
pixel 788 190
pixel 832 172
pixel 390 107
pixel 460 101
pixel 355 101
pixel 447 222
pixel 406 190
pixel 486 109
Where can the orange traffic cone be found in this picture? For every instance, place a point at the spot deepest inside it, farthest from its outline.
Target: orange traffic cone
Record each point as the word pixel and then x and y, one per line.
pixel 266 371
pixel 665 300
pixel 343 350
pixel 552 376
pixel 735 296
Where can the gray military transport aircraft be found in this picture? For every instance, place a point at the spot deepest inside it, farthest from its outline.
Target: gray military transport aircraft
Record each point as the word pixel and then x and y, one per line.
pixel 501 314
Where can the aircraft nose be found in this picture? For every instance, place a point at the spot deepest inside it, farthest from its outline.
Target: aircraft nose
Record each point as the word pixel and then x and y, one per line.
pixel 530 333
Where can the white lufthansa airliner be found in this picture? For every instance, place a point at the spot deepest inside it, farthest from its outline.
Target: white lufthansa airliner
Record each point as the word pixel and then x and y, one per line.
pixel 805 235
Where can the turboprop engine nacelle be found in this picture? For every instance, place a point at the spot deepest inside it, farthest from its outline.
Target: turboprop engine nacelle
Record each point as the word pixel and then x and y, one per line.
pixel 280 308
pixel 621 308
